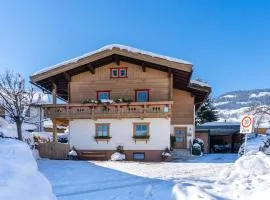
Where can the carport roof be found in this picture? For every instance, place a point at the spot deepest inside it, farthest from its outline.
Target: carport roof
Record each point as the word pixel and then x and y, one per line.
pixel 219 128
pixel 213 132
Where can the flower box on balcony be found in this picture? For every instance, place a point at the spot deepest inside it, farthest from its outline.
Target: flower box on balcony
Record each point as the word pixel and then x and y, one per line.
pixel 141 138
pixel 102 138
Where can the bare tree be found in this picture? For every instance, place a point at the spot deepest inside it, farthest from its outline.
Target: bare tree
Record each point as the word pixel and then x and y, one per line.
pixel 261 113
pixel 15 98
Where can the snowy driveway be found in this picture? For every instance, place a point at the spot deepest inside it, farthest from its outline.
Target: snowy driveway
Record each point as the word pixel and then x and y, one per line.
pixel 130 180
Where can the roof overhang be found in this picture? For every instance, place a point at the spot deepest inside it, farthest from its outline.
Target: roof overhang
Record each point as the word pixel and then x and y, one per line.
pixel 218 132
pixel 61 73
pixel 200 91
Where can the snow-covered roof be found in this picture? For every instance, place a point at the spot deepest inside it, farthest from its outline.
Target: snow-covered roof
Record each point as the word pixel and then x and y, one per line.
pixel 221 124
pixel 202 84
pixel 48 124
pixel 110 47
pixel 219 128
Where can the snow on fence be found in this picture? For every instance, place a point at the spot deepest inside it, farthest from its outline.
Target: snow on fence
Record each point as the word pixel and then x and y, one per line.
pixel 53 150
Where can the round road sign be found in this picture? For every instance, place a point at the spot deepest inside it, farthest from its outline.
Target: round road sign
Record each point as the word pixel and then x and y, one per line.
pixel 246 121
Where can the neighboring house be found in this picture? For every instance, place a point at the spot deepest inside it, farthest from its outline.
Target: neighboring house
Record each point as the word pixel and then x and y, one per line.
pixel 154 94
pixel 220 137
pixel 34 115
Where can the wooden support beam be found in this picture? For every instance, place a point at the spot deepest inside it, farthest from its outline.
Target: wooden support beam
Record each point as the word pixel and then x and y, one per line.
pixel 54 92
pixel 170 86
pixel 67 76
pixel 91 68
pixel 143 67
pixel 169 72
pixel 116 60
pixel 54 130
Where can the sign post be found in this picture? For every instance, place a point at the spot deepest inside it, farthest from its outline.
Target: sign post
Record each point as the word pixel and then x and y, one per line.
pixel 246 128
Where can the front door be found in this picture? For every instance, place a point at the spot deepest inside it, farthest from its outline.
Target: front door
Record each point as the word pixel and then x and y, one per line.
pixel 180 137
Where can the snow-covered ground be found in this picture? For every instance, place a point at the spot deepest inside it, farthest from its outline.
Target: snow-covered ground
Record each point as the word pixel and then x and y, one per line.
pixel 102 180
pixel 19 175
pixel 213 176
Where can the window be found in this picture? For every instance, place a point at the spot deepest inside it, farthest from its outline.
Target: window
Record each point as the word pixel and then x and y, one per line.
pixel 103 95
pixel 123 73
pixel 141 130
pixel 102 130
pixel 119 72
pixel 142 95
pixel 138 156
pixel 114 73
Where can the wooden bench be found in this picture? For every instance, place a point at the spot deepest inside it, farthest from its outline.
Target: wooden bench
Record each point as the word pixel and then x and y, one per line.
pixel 90 155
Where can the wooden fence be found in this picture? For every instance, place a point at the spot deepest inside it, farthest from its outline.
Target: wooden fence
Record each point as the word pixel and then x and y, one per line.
pixel 53 150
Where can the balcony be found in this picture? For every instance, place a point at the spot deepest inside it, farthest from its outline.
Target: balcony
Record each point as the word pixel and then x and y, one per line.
pixel 103 111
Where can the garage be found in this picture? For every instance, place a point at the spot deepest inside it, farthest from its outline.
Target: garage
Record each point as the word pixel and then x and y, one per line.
pixel 220 137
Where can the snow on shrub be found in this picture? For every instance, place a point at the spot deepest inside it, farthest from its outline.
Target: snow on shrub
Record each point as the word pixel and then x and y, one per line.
pixel 200 142
pixel 165 154
pixel 19 175
pixel 117 156
pixel 196 149
pixel 249 177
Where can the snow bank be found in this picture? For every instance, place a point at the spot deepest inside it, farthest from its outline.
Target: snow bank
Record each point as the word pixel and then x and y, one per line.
pixel 19 175
pixel 253 144
pixel 248 178
pixel 189 192
pixel 117 156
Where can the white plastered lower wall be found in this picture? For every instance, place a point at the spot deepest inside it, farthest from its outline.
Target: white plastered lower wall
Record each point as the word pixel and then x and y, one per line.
pixel 82 133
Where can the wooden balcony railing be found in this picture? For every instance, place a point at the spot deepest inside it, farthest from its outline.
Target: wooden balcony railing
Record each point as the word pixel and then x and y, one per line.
pixel 102 111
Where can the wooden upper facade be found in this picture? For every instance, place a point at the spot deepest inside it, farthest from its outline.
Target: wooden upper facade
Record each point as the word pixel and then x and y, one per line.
pixel 118 72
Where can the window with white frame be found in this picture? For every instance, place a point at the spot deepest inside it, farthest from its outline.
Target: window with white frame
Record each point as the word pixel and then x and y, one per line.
pixel 114 73
pixel 122 72
pixel 119 72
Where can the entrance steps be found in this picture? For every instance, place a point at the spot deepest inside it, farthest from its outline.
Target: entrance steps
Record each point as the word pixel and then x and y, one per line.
pixel 181 154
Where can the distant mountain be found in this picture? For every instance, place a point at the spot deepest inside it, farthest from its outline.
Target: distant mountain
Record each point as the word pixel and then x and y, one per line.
pixel 232 105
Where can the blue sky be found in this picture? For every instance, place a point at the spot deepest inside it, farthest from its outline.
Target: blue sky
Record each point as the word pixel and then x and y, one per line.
pixel 227 41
